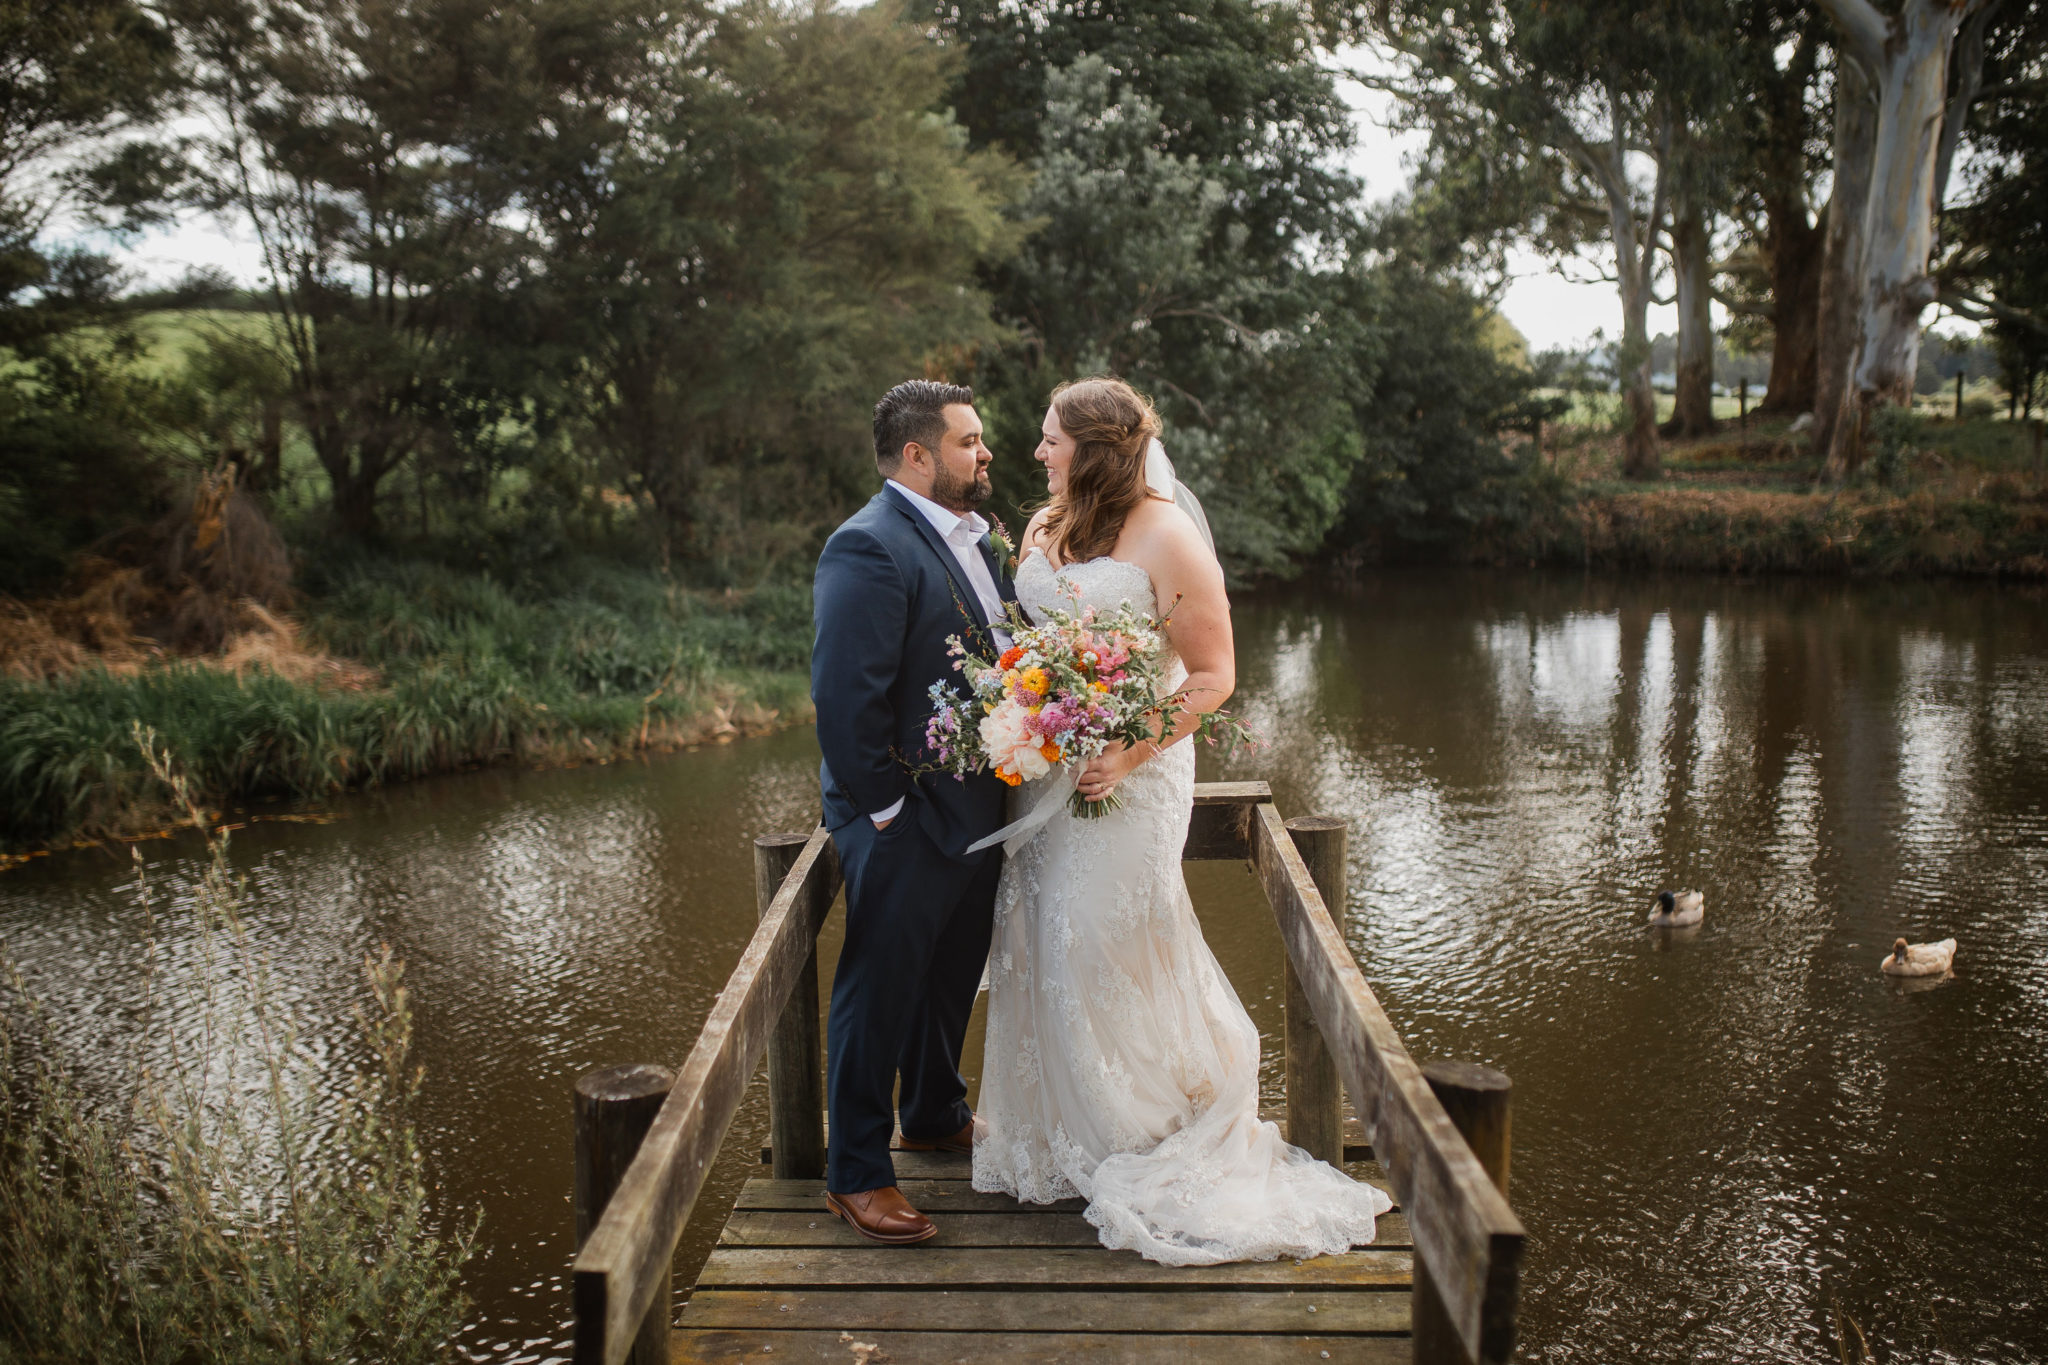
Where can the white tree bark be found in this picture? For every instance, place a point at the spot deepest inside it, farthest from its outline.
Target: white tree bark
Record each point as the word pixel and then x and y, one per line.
pixel 1905 54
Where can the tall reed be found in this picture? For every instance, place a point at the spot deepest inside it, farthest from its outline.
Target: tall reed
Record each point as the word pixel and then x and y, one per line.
pixel 231 1214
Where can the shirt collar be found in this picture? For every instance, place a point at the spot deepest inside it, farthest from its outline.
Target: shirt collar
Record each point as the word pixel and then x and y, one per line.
pixel 944 520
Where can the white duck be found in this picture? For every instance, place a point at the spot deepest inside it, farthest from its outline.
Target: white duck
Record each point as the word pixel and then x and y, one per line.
pixel 1919 959
pixel 1678 909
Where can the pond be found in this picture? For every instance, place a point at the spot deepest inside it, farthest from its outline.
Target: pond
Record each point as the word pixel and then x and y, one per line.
pixel 1728 1145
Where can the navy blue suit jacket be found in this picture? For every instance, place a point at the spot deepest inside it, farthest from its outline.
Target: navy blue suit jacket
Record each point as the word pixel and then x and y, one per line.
pixel 887 596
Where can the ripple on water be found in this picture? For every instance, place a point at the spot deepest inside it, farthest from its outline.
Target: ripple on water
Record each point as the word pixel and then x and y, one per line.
pixel 1723 1138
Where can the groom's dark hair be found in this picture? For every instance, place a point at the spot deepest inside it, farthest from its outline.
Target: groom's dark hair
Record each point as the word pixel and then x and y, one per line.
pixel 913 411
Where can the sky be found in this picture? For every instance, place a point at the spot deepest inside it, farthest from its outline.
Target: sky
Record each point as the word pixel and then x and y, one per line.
pixel 1548 309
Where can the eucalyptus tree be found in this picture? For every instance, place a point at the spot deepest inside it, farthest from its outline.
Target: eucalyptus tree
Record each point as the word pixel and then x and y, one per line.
pixel 1583 105
pixel 1784 70
pixel 1918 67
pixel 1994 259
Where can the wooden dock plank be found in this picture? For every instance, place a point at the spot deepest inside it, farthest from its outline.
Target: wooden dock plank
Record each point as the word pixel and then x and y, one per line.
pixel 935 1196
pixel 817 1228
pixel 1080 1310
pixel 974 1348
pixel 938 1268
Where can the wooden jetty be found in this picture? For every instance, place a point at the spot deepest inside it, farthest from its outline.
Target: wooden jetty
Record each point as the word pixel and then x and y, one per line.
pixel 1005 1281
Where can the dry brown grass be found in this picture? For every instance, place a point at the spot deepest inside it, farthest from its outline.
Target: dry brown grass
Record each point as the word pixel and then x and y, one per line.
pixel 211 582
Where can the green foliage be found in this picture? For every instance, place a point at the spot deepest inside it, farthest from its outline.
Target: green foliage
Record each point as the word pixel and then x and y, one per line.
pixel 1151 259
pixel 791 233
pixel 232 1216
pixel 1434 473
pixel 578 658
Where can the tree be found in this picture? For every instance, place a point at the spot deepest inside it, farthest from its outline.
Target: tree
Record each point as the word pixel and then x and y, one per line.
pixel 786 232
pixel 1898 137
pixel 1781 50
pixel 1994 264
pixel 85 82
pixel 1570 101
pixel 360 139
pixel 1187 227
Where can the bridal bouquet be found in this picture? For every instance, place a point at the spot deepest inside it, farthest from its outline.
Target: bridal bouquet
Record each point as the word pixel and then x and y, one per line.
pixel 1061 694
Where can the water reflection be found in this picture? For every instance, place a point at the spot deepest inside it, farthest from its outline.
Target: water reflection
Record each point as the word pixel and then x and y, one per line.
pixel 1723 1133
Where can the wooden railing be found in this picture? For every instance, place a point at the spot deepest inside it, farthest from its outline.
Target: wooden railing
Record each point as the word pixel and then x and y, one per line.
pixel 1468 1243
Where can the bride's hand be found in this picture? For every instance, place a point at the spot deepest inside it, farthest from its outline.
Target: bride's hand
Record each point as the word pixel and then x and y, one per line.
pixel 1099 778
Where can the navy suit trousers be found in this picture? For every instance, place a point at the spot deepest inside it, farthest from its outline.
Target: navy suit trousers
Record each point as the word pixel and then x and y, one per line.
pixel 917 936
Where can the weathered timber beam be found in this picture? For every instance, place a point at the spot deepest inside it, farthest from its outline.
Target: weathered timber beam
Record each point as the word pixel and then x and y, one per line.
pixel 1463 1228
pixel 1220 828
pixel 621 1268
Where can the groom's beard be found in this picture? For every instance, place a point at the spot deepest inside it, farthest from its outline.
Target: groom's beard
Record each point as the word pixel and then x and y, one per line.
pixel 960 495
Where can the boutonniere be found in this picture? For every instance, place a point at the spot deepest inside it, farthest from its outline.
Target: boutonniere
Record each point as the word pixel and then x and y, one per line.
pixel 1001 546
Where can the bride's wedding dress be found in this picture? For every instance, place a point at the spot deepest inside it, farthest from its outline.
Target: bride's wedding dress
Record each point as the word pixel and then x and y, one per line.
pixel 1120 1065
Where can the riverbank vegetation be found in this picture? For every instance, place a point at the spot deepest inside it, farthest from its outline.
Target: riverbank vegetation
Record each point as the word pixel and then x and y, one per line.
pixel 523 436
pixel 237 1209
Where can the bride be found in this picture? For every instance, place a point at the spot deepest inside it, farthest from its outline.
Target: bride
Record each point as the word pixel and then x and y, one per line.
pixel 1120 1065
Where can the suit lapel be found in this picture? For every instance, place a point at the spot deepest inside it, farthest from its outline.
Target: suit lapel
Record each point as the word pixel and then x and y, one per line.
pixel 962 589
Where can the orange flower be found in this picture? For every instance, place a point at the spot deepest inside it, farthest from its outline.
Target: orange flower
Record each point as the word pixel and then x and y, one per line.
pixel 1010 657
pixel 1050 752
pixel 1010 776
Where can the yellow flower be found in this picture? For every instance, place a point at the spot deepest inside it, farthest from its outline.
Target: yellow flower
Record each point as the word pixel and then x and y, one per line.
pixel 1100 686
pixel 1036 680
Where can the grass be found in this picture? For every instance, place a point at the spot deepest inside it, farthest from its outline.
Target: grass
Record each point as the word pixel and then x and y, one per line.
pixel 1954 497
pixel 578 660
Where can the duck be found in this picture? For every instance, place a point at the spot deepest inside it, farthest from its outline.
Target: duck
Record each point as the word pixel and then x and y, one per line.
pixel 1919 959
pixel 1678 909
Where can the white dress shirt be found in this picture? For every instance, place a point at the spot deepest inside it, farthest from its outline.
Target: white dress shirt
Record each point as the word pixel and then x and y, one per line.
pixel 962 535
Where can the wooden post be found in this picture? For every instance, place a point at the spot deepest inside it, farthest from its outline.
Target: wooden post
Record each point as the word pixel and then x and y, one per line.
pixel 1959 395
pixel 1742 401
pixel 614 1109
pixel 1315 1097
pixel 796 1065
pixel 1476 1098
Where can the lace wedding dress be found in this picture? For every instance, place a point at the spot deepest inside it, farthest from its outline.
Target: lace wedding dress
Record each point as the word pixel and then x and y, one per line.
pixel 1120 1065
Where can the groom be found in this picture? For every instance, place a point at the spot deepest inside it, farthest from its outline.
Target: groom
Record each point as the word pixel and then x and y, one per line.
pixel 896 579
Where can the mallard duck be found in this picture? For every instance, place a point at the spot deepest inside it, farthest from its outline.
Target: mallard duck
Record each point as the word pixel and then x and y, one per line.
pixel 1919 959
pixel 1677 909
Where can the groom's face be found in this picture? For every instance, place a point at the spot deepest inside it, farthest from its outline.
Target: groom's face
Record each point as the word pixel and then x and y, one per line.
pixel 960 465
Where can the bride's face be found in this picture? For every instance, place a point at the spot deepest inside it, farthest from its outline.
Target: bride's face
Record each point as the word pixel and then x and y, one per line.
pixel 1055 451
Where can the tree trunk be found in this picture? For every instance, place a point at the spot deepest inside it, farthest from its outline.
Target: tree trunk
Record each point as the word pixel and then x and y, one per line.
pixel 1639 458
pixel 1693 413
pixel 353 476
pixel 1798 252
pixel 1841 283
pixel 1910 70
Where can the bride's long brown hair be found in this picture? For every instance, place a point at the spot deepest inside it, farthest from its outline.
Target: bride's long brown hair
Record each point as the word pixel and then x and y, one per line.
pixel 1111 425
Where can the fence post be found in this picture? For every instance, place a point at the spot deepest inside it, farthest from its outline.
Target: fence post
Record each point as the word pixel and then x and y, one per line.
pixel 1315 1097
pixel 796 1068
pixel 1476 1097
pixel 1742 401
pixel 614 1109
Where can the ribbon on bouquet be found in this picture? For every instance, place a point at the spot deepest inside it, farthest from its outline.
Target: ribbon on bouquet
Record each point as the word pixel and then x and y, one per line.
pixel 1018 832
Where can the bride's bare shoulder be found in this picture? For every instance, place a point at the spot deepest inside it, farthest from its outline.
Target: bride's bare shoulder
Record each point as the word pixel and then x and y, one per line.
pixel 1034 529
pixel 1159 530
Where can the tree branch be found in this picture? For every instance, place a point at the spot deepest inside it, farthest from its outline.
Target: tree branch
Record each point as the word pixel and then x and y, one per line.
pixel 1977 308
pixel 1968 64
pixel 1863 29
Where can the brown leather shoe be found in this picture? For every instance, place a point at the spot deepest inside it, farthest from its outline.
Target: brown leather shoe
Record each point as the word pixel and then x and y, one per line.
pixel 882 1215
pixel 961 1142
